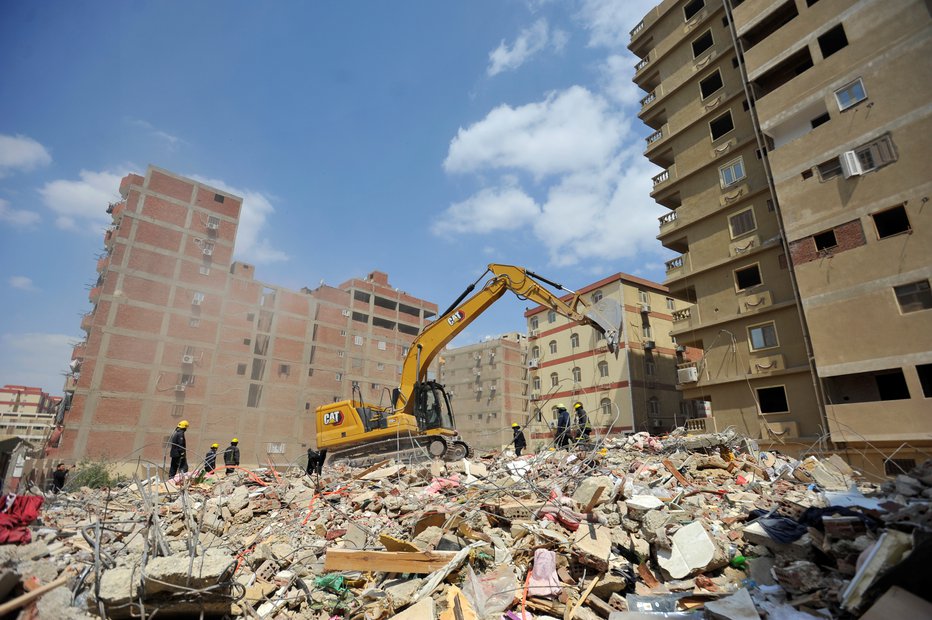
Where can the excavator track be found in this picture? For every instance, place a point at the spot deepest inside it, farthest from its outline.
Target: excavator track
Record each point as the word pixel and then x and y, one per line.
pixel 414 449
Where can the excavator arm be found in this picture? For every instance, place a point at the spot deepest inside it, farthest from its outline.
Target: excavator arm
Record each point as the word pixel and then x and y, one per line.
pixel 604 317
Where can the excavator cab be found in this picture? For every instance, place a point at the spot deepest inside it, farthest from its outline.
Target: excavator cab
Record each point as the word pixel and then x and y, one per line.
pixel 432 407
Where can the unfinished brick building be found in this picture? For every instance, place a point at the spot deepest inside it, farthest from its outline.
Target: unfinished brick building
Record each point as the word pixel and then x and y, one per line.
pixel 181 331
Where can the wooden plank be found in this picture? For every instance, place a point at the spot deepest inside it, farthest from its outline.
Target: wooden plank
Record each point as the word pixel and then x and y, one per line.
pixel 371 469
pixel 420 562
pixel 570 611
pixel 676 473
pixel 396 544
pixel 592 502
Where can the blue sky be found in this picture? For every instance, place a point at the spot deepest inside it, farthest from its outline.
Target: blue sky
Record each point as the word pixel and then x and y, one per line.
pixel 424 139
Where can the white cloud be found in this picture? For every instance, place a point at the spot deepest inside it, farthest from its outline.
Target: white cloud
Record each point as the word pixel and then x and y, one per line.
pixel 83 204
pixel 490 210
pixel 36 359
pixel 171 139
pixel 251 246
pixel 570 130
pixel 608 24
pixel 615 77
pixel 22 283
pixel 17 217
pixel 531 41
pixel 21 153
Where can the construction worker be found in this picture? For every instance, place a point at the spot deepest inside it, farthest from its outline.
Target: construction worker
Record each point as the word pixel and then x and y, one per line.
pixel 178 450
pixel 583 428
pixel 519 440
pixel 231 455
pixel 58 478
pixel 563 426
pixel 210 459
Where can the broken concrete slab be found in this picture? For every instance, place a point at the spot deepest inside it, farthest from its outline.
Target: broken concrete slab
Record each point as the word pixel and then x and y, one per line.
pixel 592 544
pixel 693 550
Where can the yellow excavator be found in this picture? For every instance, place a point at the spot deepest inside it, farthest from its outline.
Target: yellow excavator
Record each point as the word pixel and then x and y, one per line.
pixel 420 419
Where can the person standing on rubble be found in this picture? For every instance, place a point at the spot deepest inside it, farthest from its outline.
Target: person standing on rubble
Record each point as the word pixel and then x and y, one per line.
pixel 583 428
pixel 563 426
pixel 58 478
pixel 231 455
pixel 519 440
pixel 210 459
pixel 178 450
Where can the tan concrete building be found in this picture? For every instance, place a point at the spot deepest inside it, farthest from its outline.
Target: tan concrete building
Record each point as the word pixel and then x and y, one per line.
pixel 633 391
pixel 28 413
pixel 487 383
pixel 180 331
pixel 774 144
pixel 754 373
pixel 842 97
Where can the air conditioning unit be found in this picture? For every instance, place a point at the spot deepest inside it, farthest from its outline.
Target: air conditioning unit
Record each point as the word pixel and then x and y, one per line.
pixel 492 389
pixel 850 164
pixel 207 250
pixel 690 374
pixel 533 363
pixel 346 313
pixel 197 301
pixel 187 359
pixel 535 395
pixel 534 333
pixel 644 308
pixel 680 348
pixel 478 373
pixel 213 225
pixel 649 344
pixel 181 387
pixel 479 389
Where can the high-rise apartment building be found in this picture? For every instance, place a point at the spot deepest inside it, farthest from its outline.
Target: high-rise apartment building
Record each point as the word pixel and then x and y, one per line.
pixel 792 137
pixel 842 96
pixel 632 391
pixel 180 331
pixel 487 385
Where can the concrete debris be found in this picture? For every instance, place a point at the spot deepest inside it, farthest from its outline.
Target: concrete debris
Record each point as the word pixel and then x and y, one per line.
pixel 663 521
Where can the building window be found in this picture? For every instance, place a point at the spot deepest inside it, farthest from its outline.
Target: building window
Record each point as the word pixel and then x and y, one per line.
pixel 692 8
pixel 671 305
pixel 868 157
pixel 653 406
pixel 914 296
pixel 597 297
pixel 554 379
pixel 829 169
pixel 250 317
pixel 341 354
pixel 551 317
pixel 536 382
pixel 275 448
pixel 255 395
pixel 646 330
pixel 603 369
pixel 605 406
pixel 177 411
pixel 925 379
pixel 535 351
pixel 820 120
pixel 198 298
pixel 577 374
pixel 284 370
pixel 241 369
pixel 382 345
pixel 894 467
pixel 553 346
pixel 702 43
pixel 710 84
pixel 357 340
pixel 218 198
pixel 763 336
pixel 850 95
pixel 773 400
pixel 204 270
pixel 404 350
pixel 339 376
pixel 833 41
pixel 213 222
pixel 732 172
pixel 721 125
pixel 825 240
pixel 747 277
pixel 643 297
pixel 891 222
pixel 194 322
pixel 650 366
pixel 742 223
pixel 535 323
pixel 574 340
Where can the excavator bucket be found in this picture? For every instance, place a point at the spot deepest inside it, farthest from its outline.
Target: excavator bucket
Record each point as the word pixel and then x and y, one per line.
pixel 607 314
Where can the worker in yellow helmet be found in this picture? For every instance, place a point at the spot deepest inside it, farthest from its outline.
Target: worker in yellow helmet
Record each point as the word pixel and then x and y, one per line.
pixel 178 450
pixel 519 439
pixel 563 426
pixel 231 455
pixel 210 459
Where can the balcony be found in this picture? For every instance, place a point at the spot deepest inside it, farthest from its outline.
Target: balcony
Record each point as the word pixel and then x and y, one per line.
pixel 103 263
pixel 682 315
pixel 648 99
pixel 661 178
pixel 116 209
pixel 654 138
pixel 87 321
pixel 643 63
pixel 637 29
pixel 667 219
pixel 700 426
pixel 677 263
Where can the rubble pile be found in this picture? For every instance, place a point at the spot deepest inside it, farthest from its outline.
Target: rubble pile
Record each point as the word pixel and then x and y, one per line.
pixel 639 527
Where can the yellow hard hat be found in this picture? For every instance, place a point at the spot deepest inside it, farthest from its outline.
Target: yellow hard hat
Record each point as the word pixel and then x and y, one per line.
pixel 577 405
pixel 215 445
pixel 514 425
pixel 183 424
pixel 234 440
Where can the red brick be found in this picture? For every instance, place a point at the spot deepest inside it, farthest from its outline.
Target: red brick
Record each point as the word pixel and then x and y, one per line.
pixel 165 211
pixel 170 186
pixel 123 411
pixel 158 236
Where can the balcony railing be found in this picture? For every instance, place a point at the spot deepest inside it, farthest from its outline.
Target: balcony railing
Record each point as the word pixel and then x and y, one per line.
pixel 648 98
pixel 654 137
pixel 667 218
pixel 700 426
pixel 94 294
pixel 681 315
pixel 676 263
pixel 660 178
pixel 637 29
pixel 644 62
